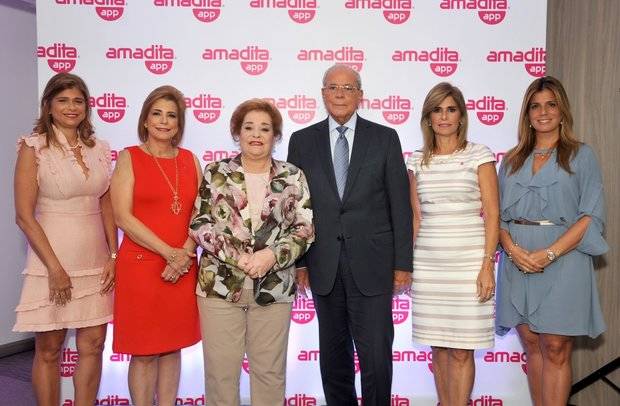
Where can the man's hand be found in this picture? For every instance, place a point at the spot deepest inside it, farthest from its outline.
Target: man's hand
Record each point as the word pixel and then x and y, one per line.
pixel 402 282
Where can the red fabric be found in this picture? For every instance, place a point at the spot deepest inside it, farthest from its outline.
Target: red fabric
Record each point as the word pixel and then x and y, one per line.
pixel 152 316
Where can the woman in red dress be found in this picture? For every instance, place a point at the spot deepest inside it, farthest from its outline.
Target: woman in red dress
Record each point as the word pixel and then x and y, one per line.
pixel 153 190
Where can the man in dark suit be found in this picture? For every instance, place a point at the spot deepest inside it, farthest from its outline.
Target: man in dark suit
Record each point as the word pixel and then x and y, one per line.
pixel 363 248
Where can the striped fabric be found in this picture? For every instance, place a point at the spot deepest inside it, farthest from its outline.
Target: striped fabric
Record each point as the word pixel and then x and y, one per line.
pixel 448 252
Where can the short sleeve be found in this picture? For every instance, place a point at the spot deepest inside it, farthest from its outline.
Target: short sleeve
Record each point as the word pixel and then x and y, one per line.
pixel 412 163
pixel 105 154
pixel 35 141
pixel 482 155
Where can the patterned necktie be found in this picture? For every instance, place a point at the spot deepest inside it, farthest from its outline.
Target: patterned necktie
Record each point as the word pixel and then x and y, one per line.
pixel 341 160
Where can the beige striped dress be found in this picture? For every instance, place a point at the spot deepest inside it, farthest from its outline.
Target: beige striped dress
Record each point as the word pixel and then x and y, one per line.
pixel 448 252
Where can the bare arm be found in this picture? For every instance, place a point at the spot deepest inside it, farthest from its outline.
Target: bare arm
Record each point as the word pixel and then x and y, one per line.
pixel 26 191
pixel 487 179
pixel 415 204
pixel 169 273
pixel 121 191
pixel 111 235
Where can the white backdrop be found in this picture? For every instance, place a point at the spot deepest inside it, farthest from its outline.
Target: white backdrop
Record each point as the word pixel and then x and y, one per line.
pixel 221 52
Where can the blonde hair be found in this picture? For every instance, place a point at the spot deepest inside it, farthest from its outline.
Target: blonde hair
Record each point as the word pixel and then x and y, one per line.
pixel 433 99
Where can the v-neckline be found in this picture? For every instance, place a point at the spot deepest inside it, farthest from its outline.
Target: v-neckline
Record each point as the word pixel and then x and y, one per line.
pixel 83 167
pixel 542 166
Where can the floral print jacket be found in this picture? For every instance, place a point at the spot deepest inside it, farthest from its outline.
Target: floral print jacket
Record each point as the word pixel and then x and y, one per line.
pixel 223 228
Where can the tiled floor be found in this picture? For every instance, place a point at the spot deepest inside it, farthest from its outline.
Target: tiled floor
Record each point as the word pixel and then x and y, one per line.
pixel 15 387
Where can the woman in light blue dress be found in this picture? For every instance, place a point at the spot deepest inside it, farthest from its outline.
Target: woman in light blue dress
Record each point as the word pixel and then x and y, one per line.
pixel 552 218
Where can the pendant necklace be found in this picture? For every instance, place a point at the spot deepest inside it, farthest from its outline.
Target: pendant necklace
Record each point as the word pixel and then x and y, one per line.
pixel 543 152
pixel 175 207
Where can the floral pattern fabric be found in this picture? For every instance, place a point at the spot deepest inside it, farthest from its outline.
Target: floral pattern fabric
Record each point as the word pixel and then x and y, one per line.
pixel 223 228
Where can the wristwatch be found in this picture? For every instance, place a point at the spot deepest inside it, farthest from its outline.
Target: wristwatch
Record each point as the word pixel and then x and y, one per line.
pixel 551 255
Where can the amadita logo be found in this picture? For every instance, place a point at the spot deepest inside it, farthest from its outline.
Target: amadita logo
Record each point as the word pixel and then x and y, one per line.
pixel 253 59
pixel 204 10
pixel 301 108
pixel 533 60
pixel 110 107
pixel 108 10
pixel 157 58
pixel 347 55
pixel 489 110
pixel 394 11
pixel 490 12
pixel 206 107
pixel 300 11
pixel 395 108
pixel 442 60
pixel 60 56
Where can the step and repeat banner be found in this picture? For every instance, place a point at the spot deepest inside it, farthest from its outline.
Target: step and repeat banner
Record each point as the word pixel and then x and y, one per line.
pixel 222 52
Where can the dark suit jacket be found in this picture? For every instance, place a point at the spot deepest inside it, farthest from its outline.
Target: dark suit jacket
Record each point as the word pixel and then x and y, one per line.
pixel 373 219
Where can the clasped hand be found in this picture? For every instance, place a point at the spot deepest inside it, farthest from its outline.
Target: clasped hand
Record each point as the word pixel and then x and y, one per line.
pixel 178 261
pixel 529 262
pixel 257 265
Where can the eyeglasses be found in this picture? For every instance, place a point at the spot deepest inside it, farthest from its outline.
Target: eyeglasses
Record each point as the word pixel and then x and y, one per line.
pixel 347 89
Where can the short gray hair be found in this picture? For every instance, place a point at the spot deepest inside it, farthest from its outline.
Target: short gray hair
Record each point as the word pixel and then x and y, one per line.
pixel 358 78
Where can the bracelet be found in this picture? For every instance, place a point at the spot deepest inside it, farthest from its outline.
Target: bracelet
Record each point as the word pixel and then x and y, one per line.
pixel 509 253
pixel 113 255
pixel 490 257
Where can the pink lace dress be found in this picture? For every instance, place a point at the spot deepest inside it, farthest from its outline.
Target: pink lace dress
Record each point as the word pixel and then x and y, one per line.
pixel 69 212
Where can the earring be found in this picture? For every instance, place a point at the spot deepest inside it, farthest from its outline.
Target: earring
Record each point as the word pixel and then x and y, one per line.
pixel 530 125
pixel 429 124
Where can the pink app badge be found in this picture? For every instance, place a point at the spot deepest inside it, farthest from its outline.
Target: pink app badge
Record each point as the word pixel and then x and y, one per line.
pixel 489 109
pixel 60 56
pixel 206 107
pixel 110 107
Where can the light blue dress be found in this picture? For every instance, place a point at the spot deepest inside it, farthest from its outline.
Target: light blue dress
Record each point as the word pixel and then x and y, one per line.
pixel 564 298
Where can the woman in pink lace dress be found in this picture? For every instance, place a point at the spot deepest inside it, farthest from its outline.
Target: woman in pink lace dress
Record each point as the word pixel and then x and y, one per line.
pixel 63 207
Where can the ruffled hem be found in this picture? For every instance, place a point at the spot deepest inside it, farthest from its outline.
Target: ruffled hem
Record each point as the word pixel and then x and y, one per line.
pixel 26 327
pixel 24 307
pixel 502 330
pixel 78 273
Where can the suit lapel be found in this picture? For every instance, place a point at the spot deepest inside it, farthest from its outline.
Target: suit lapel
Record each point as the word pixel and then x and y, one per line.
pixel 358 156
pixel 325 153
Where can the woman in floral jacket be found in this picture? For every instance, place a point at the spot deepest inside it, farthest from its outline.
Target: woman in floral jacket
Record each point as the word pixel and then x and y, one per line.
pixel 254 222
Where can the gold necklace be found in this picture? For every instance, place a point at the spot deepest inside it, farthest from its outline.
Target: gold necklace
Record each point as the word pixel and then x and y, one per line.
pixel 175 207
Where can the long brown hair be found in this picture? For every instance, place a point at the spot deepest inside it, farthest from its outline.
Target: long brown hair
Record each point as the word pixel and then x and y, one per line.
pixel 567 144
pixel 433 99
pixel 169 93
pixel 57 84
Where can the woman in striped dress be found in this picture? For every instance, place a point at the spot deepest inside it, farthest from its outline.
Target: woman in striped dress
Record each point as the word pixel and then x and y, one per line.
pixel 453 182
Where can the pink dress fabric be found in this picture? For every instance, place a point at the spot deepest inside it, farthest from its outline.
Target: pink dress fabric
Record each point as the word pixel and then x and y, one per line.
pixel 69 212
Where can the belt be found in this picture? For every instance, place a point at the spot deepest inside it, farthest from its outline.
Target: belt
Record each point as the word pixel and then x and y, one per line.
pixel 533 223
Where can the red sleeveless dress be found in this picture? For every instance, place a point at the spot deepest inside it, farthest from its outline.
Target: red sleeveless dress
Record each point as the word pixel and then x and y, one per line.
pixel 152 316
